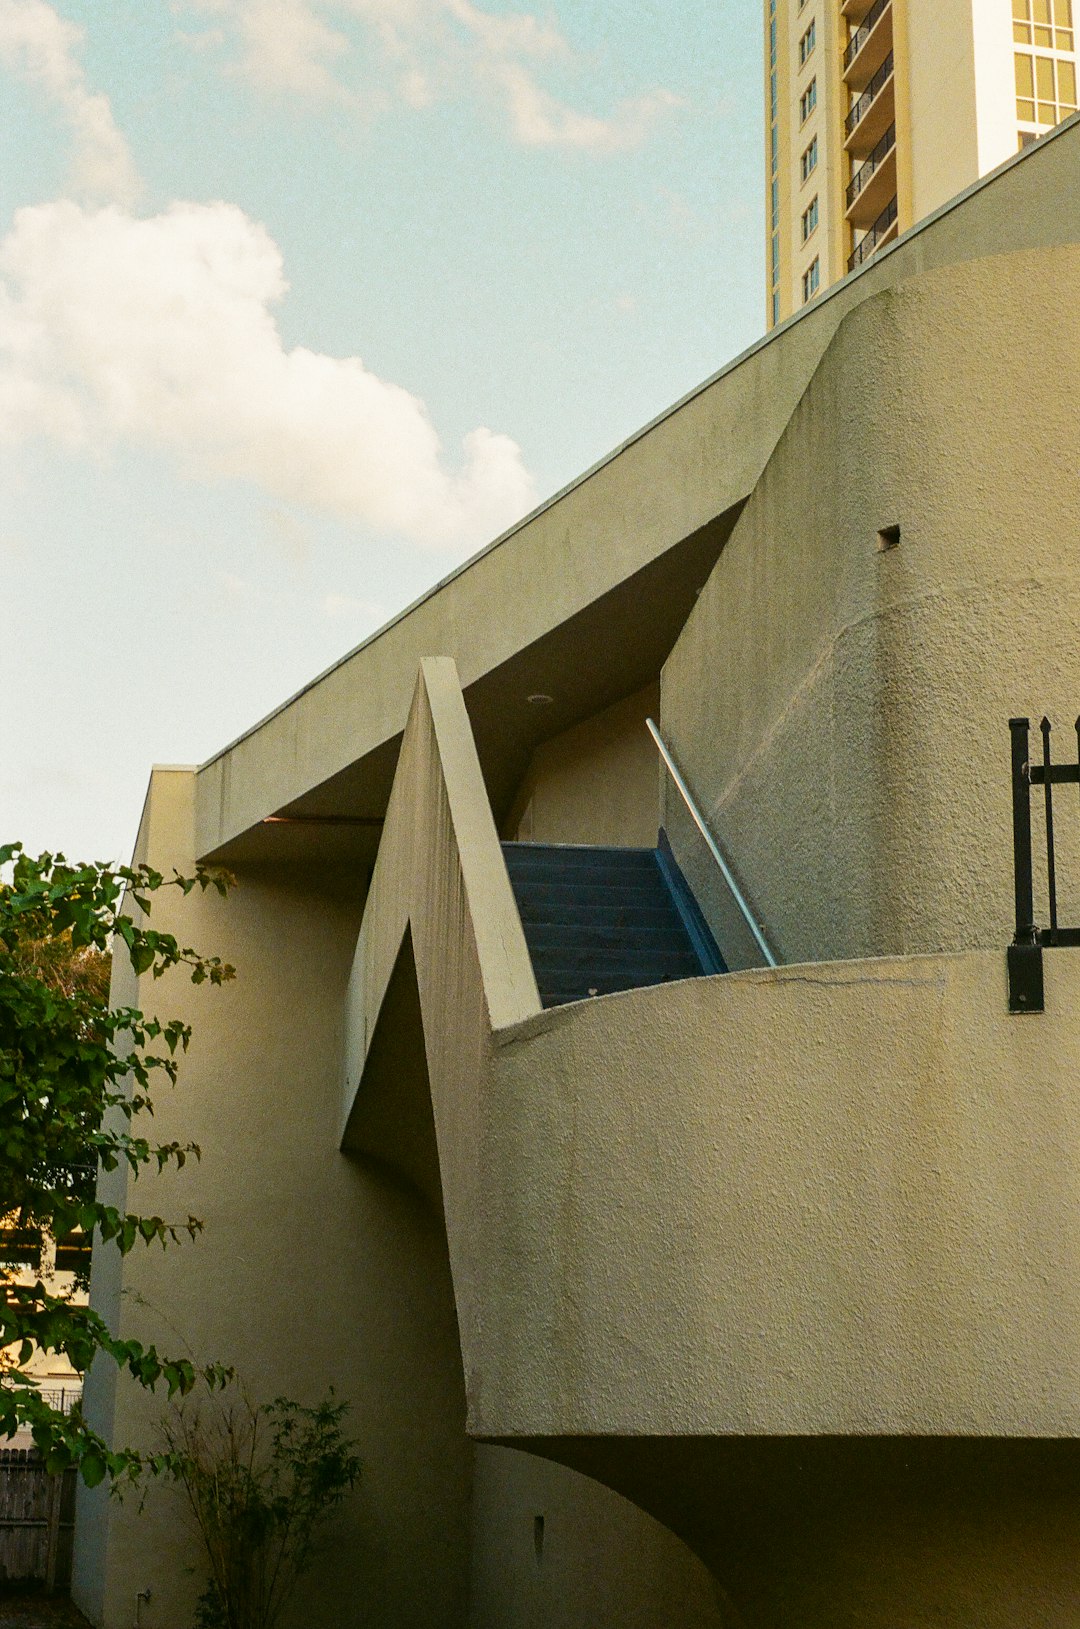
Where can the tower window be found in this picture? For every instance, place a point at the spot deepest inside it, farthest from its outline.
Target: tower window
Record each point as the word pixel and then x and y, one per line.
pixel 808 101
pixel 811 279
pixel 808 162
pixel 808 41
pixel 1047 23
pixel 810 217
pixel 1045 88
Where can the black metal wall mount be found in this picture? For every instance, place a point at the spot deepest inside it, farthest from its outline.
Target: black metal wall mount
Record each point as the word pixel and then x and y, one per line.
pixel 1025 963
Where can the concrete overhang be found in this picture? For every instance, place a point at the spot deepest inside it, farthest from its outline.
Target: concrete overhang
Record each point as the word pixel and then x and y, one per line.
pixel 583 600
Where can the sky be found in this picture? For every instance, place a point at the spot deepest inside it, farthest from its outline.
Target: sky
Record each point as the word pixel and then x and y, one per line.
pixel 303 302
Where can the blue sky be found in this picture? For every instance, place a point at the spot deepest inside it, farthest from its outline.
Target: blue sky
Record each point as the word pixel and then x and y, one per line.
pixel 303 301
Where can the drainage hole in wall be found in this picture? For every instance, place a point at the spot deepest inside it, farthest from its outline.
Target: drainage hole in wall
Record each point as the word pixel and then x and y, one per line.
pixel 888 537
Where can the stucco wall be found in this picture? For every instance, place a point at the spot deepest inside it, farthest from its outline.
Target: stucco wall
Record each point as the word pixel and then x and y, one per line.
pixel 739 1206
pixel 318 1267
pixel 595 1562
pixel 313 1268
pixel 752 1213
pixel 417 1076
pixel 596 783
pixel 840 709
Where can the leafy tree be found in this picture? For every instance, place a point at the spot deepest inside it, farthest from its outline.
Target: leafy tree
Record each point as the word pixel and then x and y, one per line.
pixel 261 1480
pixel 75 1077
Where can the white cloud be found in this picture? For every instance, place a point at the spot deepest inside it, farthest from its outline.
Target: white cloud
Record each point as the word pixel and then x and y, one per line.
pixel 540 120
pixel 288 47
pixel 40 46
pixel 115 329
pixel 432 48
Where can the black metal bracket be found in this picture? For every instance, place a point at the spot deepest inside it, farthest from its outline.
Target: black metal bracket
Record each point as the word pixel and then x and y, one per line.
pixel 1025 965
pixel 1024 958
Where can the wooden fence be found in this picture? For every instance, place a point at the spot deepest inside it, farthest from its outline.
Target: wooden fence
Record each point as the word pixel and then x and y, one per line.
pixel 37 1520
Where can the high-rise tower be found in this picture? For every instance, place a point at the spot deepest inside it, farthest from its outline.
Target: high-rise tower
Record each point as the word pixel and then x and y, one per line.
pixel 878 111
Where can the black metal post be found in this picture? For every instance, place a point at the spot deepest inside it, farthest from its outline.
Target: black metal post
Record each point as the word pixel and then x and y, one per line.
pixel 1048 793
pixel 1021 802
pixel 1025 953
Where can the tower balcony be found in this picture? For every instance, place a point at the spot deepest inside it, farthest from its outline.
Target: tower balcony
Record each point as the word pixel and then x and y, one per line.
pixel 873 112
pixel 883 231
pixel 872 184
pixel 869 45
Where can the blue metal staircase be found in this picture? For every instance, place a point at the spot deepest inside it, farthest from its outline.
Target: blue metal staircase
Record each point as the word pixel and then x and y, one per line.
pixel 598 920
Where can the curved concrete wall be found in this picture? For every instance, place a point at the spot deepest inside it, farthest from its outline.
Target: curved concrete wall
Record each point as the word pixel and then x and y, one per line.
pixel 841 709
pixel 739 1206
pixel 596 1561
pixel 770 1254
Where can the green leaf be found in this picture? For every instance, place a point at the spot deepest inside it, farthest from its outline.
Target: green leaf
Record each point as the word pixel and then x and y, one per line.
pixel 93 1467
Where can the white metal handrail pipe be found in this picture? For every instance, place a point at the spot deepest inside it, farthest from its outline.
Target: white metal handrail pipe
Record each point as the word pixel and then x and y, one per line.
pixel 713 846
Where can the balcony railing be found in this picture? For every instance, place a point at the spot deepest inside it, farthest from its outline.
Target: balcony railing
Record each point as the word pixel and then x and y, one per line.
pixel 869 95
pixel 864 30
pixel 866 170
pixel 866 245
pixel 1025 966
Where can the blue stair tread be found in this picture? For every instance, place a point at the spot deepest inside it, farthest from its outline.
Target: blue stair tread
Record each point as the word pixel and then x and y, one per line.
pixel 583 854
pixel 666 939
pixel 533 892
pixel 570 914
pixel 633 960
pixel 593 878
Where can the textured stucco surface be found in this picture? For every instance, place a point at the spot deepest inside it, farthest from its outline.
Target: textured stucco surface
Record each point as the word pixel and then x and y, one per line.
pixel 597 1560
pixel 841 711
pixel 313 1268
pixel 824 1200
pixel 441 950
pixel 596 783
pixel 866 1532
pixel 441 876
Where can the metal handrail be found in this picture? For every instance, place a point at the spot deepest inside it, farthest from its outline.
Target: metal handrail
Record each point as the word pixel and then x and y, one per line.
pixel 863 32
pixel 869 95
pixel 713 846
pixel 866 171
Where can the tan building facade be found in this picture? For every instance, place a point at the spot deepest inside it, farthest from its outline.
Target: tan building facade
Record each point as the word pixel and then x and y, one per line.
pixel 730 1300
pixel 880 111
